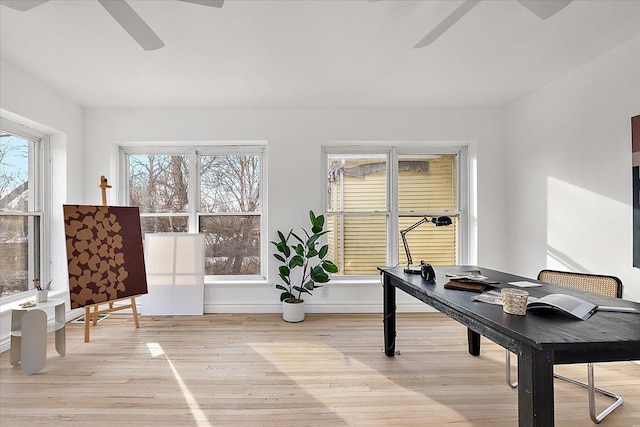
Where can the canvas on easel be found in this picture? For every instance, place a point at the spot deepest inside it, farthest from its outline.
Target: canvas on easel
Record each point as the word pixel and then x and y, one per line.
pixel 104 253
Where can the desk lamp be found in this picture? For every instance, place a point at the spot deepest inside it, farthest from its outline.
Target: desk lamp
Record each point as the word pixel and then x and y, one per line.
pixel 428 272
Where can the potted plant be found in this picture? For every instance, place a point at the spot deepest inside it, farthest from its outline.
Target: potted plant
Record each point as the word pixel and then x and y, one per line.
pixel 302 268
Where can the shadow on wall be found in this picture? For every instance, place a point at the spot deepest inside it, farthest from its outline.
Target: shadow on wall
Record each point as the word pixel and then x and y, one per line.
pixel 567 262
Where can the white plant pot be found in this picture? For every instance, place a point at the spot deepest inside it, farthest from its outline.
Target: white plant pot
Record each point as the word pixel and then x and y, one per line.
pixel 293 312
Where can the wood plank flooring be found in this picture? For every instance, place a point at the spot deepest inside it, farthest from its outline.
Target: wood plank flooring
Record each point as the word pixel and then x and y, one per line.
pixel 256 370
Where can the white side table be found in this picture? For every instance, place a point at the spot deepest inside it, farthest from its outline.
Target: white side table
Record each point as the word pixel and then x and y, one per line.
pixel 29 328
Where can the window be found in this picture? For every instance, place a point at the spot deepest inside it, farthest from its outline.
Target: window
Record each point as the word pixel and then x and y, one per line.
pixel 21 204
pixel 213 191
pixel 372 195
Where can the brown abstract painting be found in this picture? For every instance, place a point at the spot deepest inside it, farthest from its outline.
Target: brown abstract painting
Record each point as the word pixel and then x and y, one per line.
pixel 104 253
pixel 635 155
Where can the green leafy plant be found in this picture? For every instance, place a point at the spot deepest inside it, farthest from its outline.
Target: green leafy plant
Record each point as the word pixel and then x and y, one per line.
pixel 302 253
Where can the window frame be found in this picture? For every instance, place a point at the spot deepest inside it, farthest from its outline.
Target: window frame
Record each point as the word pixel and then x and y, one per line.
pixel 194 213
pixel 39 265
pixel 392 213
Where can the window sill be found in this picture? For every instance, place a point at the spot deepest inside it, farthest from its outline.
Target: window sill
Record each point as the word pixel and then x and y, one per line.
pixel 236 282
pixel 356 281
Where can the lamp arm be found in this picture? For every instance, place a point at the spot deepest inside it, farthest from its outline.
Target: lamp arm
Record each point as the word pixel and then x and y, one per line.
pixel 404 232
pixel 406 248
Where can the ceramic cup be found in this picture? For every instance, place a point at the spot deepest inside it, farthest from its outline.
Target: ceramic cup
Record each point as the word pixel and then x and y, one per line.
pixel 41 296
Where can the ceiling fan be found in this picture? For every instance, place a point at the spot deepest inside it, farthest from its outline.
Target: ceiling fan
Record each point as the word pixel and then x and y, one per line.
pixel 542 8
pixel 123 14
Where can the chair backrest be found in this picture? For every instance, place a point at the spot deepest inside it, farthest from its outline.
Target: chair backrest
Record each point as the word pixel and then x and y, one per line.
pixel 605 285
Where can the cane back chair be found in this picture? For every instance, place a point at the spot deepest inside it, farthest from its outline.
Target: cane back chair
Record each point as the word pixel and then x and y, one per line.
pixel 604 285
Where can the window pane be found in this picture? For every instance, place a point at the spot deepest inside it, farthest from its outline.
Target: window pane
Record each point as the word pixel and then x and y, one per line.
pixel 232 244
pixel 230 183
pixel 164 224
pixel 19 237
pixel 356 183
pixel 426 183
pixel 14 173
pixel 159 182
pixel 434 245
pixel 357 244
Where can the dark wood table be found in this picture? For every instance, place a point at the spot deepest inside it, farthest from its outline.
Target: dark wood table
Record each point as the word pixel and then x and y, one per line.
pixel 539 339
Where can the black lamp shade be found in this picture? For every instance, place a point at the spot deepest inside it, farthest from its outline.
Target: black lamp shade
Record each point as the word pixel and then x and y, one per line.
pixel 441 220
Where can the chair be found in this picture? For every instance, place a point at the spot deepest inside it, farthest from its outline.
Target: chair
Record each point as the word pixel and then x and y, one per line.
pixel 604 285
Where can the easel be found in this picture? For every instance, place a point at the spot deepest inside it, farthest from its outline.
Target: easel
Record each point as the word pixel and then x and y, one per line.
pixel 96 307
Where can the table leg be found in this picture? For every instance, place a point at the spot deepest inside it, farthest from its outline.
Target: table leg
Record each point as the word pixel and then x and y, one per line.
pixel 535 388
pixel 474 342
pixel 389 304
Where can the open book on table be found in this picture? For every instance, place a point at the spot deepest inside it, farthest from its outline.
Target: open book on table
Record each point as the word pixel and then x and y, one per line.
pixel 565 304
pixel 573 306
pixel 561 303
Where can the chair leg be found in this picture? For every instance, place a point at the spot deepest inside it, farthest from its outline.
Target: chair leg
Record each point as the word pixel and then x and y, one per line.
pixel 512 384
pixel 590 386
pixel 592 389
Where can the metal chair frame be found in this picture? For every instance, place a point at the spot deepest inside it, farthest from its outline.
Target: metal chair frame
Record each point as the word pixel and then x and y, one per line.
pixel 590 283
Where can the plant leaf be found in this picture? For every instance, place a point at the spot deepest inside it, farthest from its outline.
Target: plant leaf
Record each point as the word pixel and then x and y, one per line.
pixel 323 251
pixel 286 295
pixel 318 275
pixel 296 237
pixel 329 266
pixel 285 279
pixel 279 257
pixel 284 270
pixel 312 240
pixel 296 261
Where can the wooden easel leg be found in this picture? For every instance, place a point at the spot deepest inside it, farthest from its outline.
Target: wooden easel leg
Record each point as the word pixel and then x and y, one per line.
pixel 134 310
pixel 95 314
pixel 87 313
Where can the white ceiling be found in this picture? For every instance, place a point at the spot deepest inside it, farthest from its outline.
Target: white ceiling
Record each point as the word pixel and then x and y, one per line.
pixel 309 53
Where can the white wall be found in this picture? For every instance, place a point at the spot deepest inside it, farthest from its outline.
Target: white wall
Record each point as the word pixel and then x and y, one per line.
pixel 295 181
pixel 569 156
pixel 26 100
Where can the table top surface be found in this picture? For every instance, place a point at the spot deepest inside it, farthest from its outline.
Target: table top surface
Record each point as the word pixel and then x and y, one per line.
pixel 541 329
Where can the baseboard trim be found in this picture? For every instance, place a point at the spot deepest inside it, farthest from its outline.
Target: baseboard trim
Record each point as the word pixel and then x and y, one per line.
pixel 315 308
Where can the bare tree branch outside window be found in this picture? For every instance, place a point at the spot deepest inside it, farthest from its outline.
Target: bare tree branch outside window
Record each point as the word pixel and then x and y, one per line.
pixel 159 183
pixel 230 189
pixel 229 209
pixel 15 240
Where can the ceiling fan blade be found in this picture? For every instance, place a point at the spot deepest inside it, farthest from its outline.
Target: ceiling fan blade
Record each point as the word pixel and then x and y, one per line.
pixel 22 5
pixel 447 23
pixel 132 23
pixel 545 8
pixel 212 3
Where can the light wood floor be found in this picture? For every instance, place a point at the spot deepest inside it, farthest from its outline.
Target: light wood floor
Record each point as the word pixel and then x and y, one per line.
pixel 256 370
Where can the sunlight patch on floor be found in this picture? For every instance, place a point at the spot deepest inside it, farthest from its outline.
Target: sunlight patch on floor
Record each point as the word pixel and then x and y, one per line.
pixel 201 419
pixel 305 353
